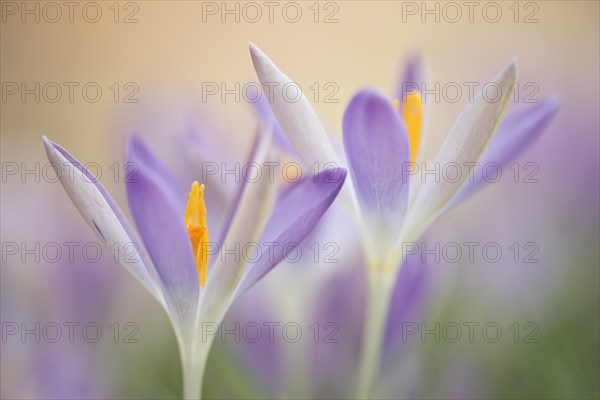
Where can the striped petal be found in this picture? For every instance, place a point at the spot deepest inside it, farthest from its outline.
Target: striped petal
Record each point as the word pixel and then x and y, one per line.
pixel 104 216
pixel 158 213
pixel 465 143
pixel 377 148
pixel 294 216
pixel 200 159
pixel 294 112
pixel 250 212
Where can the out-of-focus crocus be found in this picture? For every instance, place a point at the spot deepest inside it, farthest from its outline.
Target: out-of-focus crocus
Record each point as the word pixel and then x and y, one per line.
pixel 173 244
pixel 382 141
pixel 49 291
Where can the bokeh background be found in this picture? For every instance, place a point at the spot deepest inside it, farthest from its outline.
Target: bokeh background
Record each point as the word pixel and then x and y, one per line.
pixel 168 51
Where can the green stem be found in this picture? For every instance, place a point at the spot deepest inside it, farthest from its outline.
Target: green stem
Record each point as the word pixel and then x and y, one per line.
pixel 380 285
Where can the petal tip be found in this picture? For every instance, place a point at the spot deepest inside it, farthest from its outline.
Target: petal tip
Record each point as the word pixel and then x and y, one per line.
pixel 265 67
pixel 553 102
pixel 258 56
pixel 342 175
pixel 367 99
pixel 512 69
pixel 368 95
pixel 49 145
pixel 47 141
pixel 134 139
pixel 336 175
pixel 134 143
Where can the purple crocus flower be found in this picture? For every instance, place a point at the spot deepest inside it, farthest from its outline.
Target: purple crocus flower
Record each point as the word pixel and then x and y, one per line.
pixel 73 370
pixel 382 143
pixel 172 259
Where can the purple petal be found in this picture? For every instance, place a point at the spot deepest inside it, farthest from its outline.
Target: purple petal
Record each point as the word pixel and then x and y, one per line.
pixel 340 314
pixel 260 352
pixel 145 157
pixel 377 148
pixel 515 134
pixel 159 216
pixel 409 298
pixel 200 159
pixel 412 78
pixel 343 304
pixel 294 216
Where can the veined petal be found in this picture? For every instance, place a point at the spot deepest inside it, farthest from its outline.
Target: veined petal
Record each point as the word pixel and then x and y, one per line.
pixel 248 219
pixel 103 215
pixel 515 134
pixel 200 160
pixel 465 143
pixel 159 216
pixel 377 148
pixel 296 116
pixel 294 216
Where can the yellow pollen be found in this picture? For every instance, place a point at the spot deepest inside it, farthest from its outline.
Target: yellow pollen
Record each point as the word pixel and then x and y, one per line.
pixel 396 104
pixel 412 114
pixel 195 222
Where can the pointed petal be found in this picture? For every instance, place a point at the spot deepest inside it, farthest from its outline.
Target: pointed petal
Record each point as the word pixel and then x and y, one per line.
pixel 515 134
pixel 377 148
pixel 296 116
pixel 257 156
pixel 293 218
pixel 200 160
pixel 465 143
pixel 159 216
pixel 411 78
pixel 103 215
pixel 247 220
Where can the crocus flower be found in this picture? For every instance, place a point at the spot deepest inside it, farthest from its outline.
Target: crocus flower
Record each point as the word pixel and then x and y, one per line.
pixel 173 243
pixel 381 143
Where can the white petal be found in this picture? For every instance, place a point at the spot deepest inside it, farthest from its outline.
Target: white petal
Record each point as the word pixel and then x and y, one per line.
pixel 297 118
pixel 465 143
pixel 111 228
pixel 247 225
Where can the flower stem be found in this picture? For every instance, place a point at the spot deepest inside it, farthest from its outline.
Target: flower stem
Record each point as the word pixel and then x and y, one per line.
pixel 380 285
pixel 193 365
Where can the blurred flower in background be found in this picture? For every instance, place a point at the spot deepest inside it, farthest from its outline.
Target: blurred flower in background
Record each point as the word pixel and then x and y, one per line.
pixel 47 352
